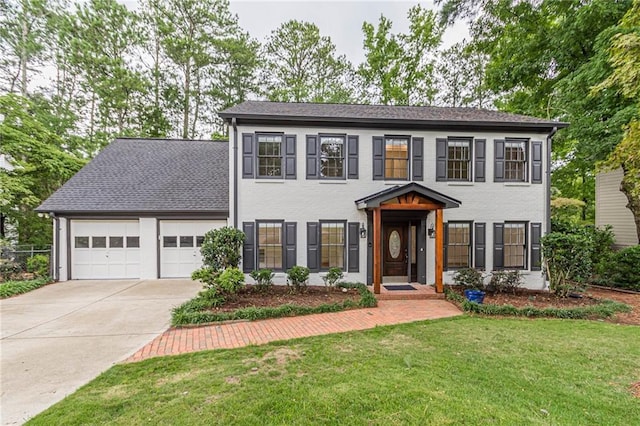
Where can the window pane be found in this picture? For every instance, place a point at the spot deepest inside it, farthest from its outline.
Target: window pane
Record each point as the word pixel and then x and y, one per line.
pixel 82 242
pixel 396 158
pixel 199 240
pixel 116 242
pixel 186 241
pixel 269 155
pixel 514 245
pixel 332 245
pixel 458 159
pixel 99 242
pixel 331 156
pixel 270 245
pixel 133 242
pixel 515 161
pixel 459 245
pixel 169 242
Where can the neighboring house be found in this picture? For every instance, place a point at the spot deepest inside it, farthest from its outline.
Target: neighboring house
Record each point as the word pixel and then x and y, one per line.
pixel 611 208
pixel 140 210
pixel 386 193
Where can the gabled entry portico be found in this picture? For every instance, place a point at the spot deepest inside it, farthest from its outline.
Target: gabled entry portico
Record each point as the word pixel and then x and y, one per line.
pixel 398 233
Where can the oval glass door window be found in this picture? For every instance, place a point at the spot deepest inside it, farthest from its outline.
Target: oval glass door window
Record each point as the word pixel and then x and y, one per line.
pixel 394 244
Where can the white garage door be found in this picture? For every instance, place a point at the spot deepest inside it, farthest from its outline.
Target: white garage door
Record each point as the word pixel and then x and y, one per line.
pixel 104 249
pixel 180 242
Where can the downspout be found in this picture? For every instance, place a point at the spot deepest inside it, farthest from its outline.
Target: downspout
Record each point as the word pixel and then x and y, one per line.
pixel 55 267
pixel 235 172
pixel 548 173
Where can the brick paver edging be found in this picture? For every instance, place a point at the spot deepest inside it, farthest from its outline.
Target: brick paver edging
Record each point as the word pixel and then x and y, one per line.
pixel 234 335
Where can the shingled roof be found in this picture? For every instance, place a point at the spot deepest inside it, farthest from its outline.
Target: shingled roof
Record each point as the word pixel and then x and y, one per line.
pixel 149 175
pixel 411 115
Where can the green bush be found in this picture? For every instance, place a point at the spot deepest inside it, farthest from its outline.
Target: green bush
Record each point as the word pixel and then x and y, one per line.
pixel 206 275
pixel 8 269
pixel 38 265
pixel 230 280
pixel 297 277
pixel 332 277
pixel 624 269
pixel 469 278
pixel 567 261
pixel 221 248
pixel 13 288
pixel 263 279
pixel 503 281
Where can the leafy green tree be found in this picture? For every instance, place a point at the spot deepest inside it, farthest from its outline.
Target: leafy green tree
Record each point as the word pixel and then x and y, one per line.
pixel 39 166
pixel 399 68
pixel 460 74
pixel 300 65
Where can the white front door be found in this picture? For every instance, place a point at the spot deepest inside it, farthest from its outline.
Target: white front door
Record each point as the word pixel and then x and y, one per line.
pixel 180 242
pixel 105 249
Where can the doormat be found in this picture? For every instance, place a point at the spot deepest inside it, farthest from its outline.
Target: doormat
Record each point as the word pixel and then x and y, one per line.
pixel 399 287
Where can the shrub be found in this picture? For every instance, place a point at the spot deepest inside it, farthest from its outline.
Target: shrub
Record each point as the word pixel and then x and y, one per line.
pixel 230 280
pixel 624 269
pixel 297 277
pixel 8 269
pixel 503 281
pixel 221 248
pixel 469 278
pixel 12 288
pixel 206 276
pixel 333 276
pixel 38 265
pixel 263 279
pixel 567 260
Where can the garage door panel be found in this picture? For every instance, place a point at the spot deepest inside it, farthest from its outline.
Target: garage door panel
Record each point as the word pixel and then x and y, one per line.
pixel 183 257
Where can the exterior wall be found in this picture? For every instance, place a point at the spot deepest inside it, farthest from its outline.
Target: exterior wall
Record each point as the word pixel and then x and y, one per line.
pixel 302 200
pixel 611 208
pixel 61 251
pixel 148 248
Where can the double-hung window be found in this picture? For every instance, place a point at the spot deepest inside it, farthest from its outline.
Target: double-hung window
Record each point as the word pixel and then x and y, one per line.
pixel 458 245
pixel 459 159
pixel 515 160
pixel 332 156
pixel 269 155
pixel 270 245
pixel 332 245
pixel 396 160
pixel 515 245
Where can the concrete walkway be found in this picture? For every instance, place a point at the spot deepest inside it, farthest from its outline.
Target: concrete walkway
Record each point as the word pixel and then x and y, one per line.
pixel 57 338
pixel 233 335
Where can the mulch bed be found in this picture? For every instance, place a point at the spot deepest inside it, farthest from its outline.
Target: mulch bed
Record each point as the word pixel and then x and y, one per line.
pixel 312 297
pixel 592 296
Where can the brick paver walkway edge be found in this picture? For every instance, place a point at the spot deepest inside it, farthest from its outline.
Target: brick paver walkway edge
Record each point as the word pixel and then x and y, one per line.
pixel 234 335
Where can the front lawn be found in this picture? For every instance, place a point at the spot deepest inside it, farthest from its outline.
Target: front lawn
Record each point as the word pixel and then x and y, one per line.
pixel 468 370
pixel 14 287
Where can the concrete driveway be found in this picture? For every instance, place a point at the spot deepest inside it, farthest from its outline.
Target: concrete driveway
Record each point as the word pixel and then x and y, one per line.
pixel 57 338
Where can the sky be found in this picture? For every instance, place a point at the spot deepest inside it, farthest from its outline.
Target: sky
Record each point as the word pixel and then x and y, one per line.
pixel 340 20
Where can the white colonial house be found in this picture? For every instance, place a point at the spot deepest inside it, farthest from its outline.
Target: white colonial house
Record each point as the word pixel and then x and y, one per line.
pixel 389 194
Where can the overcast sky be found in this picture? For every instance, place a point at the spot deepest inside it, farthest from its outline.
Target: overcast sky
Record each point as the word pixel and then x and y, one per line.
pixel 340 20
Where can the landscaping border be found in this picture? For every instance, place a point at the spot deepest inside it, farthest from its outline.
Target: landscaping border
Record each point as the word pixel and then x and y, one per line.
pixel 13 288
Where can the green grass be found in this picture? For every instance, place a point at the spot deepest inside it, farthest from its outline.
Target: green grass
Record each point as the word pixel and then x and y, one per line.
pixel 12 288
pixel 196 310
pixel 462 371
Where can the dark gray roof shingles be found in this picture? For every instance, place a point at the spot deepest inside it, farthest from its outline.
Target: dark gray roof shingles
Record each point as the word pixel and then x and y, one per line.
pixel 149 175
pixel 291 110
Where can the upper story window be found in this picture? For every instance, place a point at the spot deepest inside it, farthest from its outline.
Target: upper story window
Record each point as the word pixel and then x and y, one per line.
pixel 396 160
pixel 515 161
pixel 459 159
pixel 332 156
pixel 269 155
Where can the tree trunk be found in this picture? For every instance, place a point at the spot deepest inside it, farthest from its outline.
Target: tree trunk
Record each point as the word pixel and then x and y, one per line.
pixel 626 187
pixel 187 89
pixel 23 57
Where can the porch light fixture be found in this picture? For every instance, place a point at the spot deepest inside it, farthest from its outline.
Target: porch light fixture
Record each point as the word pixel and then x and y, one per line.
pixel 431 231
pixel 363 231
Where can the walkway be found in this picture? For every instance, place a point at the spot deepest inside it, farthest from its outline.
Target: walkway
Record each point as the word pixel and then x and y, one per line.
pixel 234 335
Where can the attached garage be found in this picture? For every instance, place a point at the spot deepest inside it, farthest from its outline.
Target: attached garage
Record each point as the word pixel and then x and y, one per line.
pixel 139 210
pixel 180 242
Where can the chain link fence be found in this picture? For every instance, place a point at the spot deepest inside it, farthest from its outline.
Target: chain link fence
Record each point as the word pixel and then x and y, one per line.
pixel 15 258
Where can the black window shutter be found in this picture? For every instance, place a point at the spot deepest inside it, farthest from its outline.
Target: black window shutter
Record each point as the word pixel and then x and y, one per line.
pixel 536 234
pixel 480 250
pixel 353 238
pixel 445 242
pixel 312 156
pixel 441 159
pixel 352 156
pixel 289 245
pixel 247 156
pixel 290 156
pixel 536 162
pixel 417 155
pixel 498 245
pixel 480 159
pixel 378 158
pixel 498 167
pixel 249 247
pixel 313 246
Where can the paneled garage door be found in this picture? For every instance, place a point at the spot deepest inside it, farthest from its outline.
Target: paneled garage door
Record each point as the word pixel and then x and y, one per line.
pixel 104 249
pixel 180 242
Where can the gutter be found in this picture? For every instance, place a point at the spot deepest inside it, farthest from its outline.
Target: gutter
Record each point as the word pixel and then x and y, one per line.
pixel 235 172
pixel 548 173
